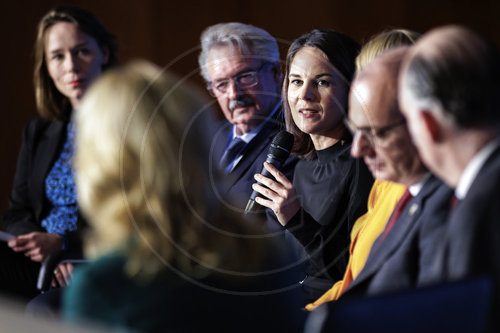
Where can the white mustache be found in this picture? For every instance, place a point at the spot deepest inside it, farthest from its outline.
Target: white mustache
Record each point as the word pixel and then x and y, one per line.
pixel 242 101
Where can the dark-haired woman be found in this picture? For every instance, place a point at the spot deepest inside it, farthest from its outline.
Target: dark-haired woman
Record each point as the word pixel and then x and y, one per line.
pixel 330 188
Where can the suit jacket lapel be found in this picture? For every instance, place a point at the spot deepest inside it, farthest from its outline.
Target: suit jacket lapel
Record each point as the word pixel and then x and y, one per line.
pixel 460 220
pixel 49 144
pixel 259 143
pixel 221 140
pixel 254 148
pixel 404 225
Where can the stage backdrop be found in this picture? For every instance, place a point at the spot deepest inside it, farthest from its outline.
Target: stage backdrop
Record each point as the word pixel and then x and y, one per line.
pixel 167 33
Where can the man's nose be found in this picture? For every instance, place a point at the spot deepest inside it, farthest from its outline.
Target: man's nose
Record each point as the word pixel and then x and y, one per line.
pixel 361 145
pixel 233 91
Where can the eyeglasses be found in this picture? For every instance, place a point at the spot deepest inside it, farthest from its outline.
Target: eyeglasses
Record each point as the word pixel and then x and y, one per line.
pixel 370 132
pixel 243 80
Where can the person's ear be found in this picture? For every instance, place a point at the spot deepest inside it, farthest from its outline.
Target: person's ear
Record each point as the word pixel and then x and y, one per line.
pixel 432 126
pixel 278 76
pixel 105 55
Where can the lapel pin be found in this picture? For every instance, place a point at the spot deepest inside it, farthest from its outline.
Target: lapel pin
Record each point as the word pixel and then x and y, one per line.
pixel 413 209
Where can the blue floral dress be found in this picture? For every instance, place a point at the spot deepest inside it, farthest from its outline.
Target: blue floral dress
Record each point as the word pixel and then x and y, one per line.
pixel 61 191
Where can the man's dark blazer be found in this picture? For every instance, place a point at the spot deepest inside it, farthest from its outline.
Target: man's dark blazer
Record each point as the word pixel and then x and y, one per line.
pixel 28 204
pixel 402 259
pixel 238 185
pixel 472 246
pixel 473 235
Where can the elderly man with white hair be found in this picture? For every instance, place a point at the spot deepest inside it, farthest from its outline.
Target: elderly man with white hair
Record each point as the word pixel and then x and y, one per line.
pixel 241 66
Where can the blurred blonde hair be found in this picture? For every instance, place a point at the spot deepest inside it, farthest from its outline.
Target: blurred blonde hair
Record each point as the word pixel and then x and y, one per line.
pixel 142 184
pixel 382 42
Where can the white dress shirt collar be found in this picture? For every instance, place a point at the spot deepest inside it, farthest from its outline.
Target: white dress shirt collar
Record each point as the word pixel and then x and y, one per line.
pixel 472 169
pixel 247 137
pixel 415 188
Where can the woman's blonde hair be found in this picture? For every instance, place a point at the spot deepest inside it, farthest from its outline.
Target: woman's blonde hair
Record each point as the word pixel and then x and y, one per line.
pixel 382 42
pixel 142 175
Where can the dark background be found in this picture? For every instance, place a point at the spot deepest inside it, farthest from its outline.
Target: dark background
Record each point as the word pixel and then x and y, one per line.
pixel 167 33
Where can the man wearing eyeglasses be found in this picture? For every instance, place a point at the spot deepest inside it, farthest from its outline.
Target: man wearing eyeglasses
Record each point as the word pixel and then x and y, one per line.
pixel 400 257
pixel 241 66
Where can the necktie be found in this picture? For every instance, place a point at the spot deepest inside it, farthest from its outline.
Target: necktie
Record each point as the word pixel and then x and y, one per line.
pixel 232 151
pixel 403 202
pixel 454 202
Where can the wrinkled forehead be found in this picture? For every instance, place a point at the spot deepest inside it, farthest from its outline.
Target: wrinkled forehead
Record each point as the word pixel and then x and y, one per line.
pixel 224 62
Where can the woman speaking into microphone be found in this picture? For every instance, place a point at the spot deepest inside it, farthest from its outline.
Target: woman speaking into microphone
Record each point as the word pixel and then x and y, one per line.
pixel 330 188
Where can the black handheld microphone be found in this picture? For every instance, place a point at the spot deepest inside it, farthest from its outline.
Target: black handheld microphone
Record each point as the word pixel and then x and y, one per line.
pixel 278 153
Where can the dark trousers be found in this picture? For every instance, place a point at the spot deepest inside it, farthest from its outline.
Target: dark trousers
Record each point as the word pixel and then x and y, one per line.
pixel 18 274
pixel 46 306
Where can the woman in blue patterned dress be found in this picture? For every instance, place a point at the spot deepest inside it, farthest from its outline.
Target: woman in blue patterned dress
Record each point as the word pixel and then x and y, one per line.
pixel 71 50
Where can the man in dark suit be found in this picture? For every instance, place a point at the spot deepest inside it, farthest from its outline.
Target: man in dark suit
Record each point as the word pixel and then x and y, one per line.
pixel 449 93
pixel 398 258
pixel 240 64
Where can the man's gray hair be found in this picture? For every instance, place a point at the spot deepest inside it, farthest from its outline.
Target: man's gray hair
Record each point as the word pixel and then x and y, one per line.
pixel 249 40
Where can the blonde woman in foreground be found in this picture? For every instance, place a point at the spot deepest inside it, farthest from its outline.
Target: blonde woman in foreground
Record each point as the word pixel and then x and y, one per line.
pixel 168 255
